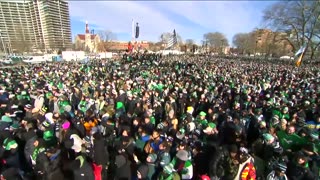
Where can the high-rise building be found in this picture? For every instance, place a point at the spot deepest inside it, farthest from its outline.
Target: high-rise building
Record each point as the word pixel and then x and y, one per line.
pixel 34 25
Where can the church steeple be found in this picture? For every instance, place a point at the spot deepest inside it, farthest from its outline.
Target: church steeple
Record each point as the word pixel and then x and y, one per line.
pixel 87 28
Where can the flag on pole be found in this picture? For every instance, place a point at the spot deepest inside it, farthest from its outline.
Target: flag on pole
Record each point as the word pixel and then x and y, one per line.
pixel 129 47
pixel 299 55
pixel 137 31
pixel 173 40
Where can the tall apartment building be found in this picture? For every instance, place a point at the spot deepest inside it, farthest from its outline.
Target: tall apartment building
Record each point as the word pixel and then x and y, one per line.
pixel 34 25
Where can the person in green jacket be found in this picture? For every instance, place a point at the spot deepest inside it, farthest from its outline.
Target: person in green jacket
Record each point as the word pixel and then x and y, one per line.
pixel 202 122
pixel 182 164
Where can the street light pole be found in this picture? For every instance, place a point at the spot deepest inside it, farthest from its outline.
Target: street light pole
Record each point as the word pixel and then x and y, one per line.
pixel 4 49
pixel 255 50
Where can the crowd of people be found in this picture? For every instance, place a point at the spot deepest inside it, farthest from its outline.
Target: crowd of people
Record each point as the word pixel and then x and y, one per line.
pixel 166 118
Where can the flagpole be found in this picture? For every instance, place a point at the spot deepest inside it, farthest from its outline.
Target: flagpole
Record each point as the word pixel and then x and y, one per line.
pixel 132 34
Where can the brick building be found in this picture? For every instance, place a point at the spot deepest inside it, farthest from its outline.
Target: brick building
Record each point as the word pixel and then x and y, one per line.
pixel 123 45
pixel 88 41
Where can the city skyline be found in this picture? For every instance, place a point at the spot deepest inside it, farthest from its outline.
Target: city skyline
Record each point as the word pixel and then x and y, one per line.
pixel 190 19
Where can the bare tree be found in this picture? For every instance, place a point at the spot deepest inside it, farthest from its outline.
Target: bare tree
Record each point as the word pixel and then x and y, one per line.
pixel 300 19
pixel 245 42
pixel 216 40
pixel 155 46
pixel 189 43
pixel 79 46
pixel 106 38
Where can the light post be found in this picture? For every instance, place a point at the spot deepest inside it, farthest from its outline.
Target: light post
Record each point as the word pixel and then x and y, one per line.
pixel 206 47
pixel 255 50
pixel 221 46
pixel 4 49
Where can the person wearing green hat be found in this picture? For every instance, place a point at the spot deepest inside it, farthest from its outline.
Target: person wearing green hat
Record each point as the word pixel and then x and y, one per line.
pixel 202 122
pixel 39 148
pixel 24 98
pixel 64 106
pixel 211 129
pixel 6 119
pixel 10 147
pixel 10 144
pixel 182 164
pixel 120 109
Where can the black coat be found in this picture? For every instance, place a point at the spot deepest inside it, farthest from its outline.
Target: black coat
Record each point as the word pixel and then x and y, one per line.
pixel 81 169
pixel 100 152
pixel 124 171
pixel 201 164
pixel 297 172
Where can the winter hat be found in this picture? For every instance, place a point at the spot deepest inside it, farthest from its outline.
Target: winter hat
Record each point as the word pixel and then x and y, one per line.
pixel 190 109
pixel 119 105
pixel 181 134
pixel 244 150
pixel 66 125
pixel 10 144
pixel 14 126
pixel 152 157
pixel 282 167
pixel 202 113
pixel 263 123
pixel 212 125
pixel 28 106
pixel 47 135
pixel 143 170
pixel 267 137
pixel 182 155
pixel 46 124
pixel 23 93
pixel 6 119
pixel 49 117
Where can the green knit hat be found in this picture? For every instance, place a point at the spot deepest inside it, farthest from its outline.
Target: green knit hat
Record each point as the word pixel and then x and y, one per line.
pixel 23 93
pixel 202 113
pixel 212 125
pixel 10 144
pixel 6 119
pixel 267 136
pixel 47 135
pixel 14 126
pixel 119 105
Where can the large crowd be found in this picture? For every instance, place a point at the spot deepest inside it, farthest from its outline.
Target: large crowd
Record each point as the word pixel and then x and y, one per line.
pixel 160 118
